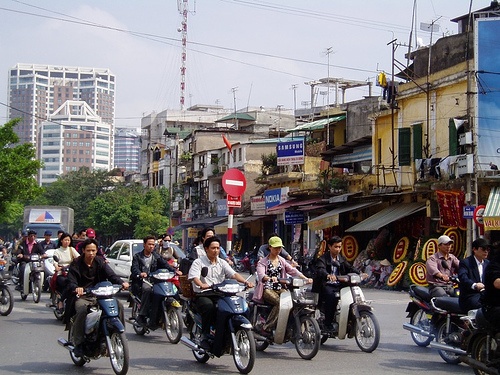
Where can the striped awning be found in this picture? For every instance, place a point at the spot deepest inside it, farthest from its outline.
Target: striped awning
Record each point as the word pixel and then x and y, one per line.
pixel 331 219
pixel 491 215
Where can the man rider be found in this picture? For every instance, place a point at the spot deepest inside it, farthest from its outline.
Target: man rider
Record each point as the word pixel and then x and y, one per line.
pixel 47 243
pixel 218 271
pixel 328 266
pixel 470 274
pixel 143 263
pixel 440 267
pixel 24 250
pixel 84 272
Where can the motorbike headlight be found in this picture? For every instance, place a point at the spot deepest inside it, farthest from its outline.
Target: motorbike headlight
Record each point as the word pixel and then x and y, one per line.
pixel 34 257
pixel 232 288
pixel 107 290
pixel 355 279
pixel 163 275
pixel 298 282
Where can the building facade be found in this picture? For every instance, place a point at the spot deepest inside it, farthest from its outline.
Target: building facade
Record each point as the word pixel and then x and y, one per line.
pixel 127 150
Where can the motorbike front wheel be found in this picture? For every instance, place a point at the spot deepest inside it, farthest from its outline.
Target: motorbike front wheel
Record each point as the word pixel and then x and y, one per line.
pixel 240 267
pixel 421 320
pixel 36 289
pixel 367 331
pixel 480 352
pixel 119 346
pixel 6 301
pixel 244 351
pixel 444 337
pixel 173 324
pixel 307 340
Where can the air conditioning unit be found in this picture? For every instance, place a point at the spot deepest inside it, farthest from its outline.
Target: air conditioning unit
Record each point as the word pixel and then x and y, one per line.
pixel 218 188
pixel 465 164
pixel 224 168
pixel 465 139
pixel 198 174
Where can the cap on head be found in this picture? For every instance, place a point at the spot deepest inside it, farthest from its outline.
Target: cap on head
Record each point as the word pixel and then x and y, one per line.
pixel 47 233
pixel 275 242
pixel 30 232
pixel 480 242
pixel 444 240
pixel 90 233
pixel 24 233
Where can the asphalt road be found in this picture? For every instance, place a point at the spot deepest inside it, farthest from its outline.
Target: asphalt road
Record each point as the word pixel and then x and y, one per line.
pixel 28 345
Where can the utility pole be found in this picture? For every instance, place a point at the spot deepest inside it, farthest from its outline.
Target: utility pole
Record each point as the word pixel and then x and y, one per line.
pixel 328 52
pixel 183 8
pixel 234 89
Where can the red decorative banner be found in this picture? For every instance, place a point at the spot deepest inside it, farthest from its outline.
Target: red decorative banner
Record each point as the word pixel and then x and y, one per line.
pixel 401 250
pixel 397 273
pixel 350 248
pixel 451 208
pixel 418 274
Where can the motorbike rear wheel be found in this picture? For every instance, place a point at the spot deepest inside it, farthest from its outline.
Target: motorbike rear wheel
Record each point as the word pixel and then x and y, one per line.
pixel 195 335
pixel 244 352
pixel 36 289
pixel 6 300
pixel 444 338
pixel 421 320
pixel 139 329
pixel 79 361
pixel 479 351
pixel 307 341
pixel 120 359
pixel 240 267
pixel 173 324
pixel 367 332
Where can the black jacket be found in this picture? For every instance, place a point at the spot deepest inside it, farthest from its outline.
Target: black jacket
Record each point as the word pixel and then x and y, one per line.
pixel 139 265
pixel 323 266
pixel 468 274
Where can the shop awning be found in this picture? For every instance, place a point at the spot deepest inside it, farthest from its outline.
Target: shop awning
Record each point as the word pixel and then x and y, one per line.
pixel 387 216
pixel 206 222
pixel 248 219
pixel 221 228
pixel 491 215
pixel 280 208
pixel 331 218
pixel 315 125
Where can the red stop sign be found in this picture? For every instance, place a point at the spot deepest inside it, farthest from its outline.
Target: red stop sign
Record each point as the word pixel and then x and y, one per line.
pixel 234 182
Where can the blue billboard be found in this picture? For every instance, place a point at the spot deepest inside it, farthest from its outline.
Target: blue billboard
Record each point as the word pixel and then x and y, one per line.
pixel 290 152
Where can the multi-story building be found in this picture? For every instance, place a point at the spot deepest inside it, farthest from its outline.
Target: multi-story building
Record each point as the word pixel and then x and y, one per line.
pixel 127 150
pixel 73 137
pixel 36 91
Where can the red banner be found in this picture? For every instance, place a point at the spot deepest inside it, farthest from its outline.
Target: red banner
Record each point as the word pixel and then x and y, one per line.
pixel 451 208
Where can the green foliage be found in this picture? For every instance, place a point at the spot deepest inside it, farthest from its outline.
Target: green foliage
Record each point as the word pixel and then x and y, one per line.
pixel 269 164
pixel 19 169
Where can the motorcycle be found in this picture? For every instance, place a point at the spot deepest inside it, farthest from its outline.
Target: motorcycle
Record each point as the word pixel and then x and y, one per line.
pixel 482 346
pixel 32 279
pixel 232 332
pixel 48 268
pixel 170 318
pixel 436 322
pixel 245 264
pixel 354 316
pixel 6 297
pixel 55 295
pixel 104 331
pixel 296 322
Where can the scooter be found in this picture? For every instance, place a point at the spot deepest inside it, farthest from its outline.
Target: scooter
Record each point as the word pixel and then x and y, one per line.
pixel 169 311
pixel 354 316
pixel 104 331
pixel 32 279
pixel 245 264
pixel 232 332
pixel 296 321
pixel 6 297
pixel 55 294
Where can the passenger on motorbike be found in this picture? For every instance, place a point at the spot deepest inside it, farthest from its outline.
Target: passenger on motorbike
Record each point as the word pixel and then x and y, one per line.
pixel 63 256
pixel 200 249
pixel 143 263
pixel 269 270
pixel 491 297
pixel 441 266
pixel 470 274
pixel 264 251
pixel 24 250
pixel 218 271
pixel 328 266
pixel 85 272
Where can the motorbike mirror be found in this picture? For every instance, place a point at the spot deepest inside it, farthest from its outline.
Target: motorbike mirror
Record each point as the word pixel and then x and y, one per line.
pixel 444 264
pixel 56 258
pixel 204 271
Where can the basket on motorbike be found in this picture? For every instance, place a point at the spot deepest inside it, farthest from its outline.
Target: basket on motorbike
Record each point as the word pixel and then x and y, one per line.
pixel 186 286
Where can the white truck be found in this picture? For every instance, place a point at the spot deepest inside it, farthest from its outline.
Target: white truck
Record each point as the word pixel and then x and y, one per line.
pixel 53 218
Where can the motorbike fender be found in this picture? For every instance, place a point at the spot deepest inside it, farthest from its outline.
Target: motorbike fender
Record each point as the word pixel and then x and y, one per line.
pixel 112 324
pixel 238 321
pixel 357 308
pixel 411 309
pixel 286 305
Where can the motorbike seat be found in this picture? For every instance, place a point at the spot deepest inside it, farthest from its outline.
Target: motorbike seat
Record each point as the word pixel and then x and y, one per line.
pixel 422 292
pixel 449 304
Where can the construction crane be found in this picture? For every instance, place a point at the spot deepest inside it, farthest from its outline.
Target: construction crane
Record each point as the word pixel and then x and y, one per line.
pixel 183 8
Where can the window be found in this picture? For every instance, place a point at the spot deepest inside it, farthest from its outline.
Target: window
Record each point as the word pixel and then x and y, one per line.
pixel 417 141
pixel 239 154
pixel 404 146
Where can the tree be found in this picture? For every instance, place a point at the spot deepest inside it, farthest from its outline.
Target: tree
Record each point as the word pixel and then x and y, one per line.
pixel 19 168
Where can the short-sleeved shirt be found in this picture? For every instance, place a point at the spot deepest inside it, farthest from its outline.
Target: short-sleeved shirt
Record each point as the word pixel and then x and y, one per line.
pixel 217 272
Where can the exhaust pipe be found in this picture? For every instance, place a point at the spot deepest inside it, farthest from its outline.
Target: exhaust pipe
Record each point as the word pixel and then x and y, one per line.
pixel 447 348
pixel 191 345
pixel 474 363
pixel 418 330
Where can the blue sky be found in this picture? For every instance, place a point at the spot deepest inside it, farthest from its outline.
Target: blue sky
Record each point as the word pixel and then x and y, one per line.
pixel 260 47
